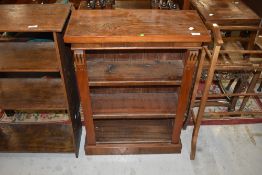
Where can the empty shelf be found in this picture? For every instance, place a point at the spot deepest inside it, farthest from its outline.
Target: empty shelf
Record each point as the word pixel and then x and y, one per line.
pixel 28 57
pixel 36 138
pixel 130 73
pixel 133 131
pixel 32 94
pixel 134 105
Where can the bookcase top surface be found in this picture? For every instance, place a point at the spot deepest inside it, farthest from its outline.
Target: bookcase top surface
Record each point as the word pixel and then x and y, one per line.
pixel 33 17
pixel 112 26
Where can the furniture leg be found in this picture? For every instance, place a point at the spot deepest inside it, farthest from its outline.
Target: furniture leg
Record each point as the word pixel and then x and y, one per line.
pixel 230 84
pixel 223 90
pixel 251 43
pixel 250 89
pixel 238 89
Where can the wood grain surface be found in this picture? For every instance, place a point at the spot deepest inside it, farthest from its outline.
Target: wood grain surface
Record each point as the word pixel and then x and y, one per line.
pixel 226 12
pixel 36 138
pixel 154 67
pixel 26 57
pixel 33 17
pixel 32 93
pixel 133 131
pixel 110 26
pixel 134 105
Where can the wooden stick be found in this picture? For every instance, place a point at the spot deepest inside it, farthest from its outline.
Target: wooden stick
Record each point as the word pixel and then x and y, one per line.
pixel 201 110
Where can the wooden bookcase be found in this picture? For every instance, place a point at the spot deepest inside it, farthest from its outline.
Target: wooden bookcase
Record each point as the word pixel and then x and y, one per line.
pixel 135 72
pixel 37 76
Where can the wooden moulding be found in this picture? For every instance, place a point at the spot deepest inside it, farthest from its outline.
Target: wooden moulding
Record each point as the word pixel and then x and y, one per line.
pixel 47 137
pixel 32 93
pixel 133 137
pixel 135 46
pixel 28 57
pixel 146 148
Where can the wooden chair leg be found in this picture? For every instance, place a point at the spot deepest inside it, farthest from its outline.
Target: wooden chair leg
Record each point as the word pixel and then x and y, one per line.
pixel 230 84
pixel 223 90
pixel 193 144
pixel 251 43
pixel 238 89
pixel 250 89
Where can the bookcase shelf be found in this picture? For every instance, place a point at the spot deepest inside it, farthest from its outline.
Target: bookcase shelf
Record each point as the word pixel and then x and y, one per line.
pixel 129 131
pixel 134 105
pixel 28 57
pixel 32 93
pixel 36 138
pixel 131 72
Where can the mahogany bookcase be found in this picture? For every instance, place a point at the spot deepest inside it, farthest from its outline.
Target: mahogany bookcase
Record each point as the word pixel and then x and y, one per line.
pixel 134 71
